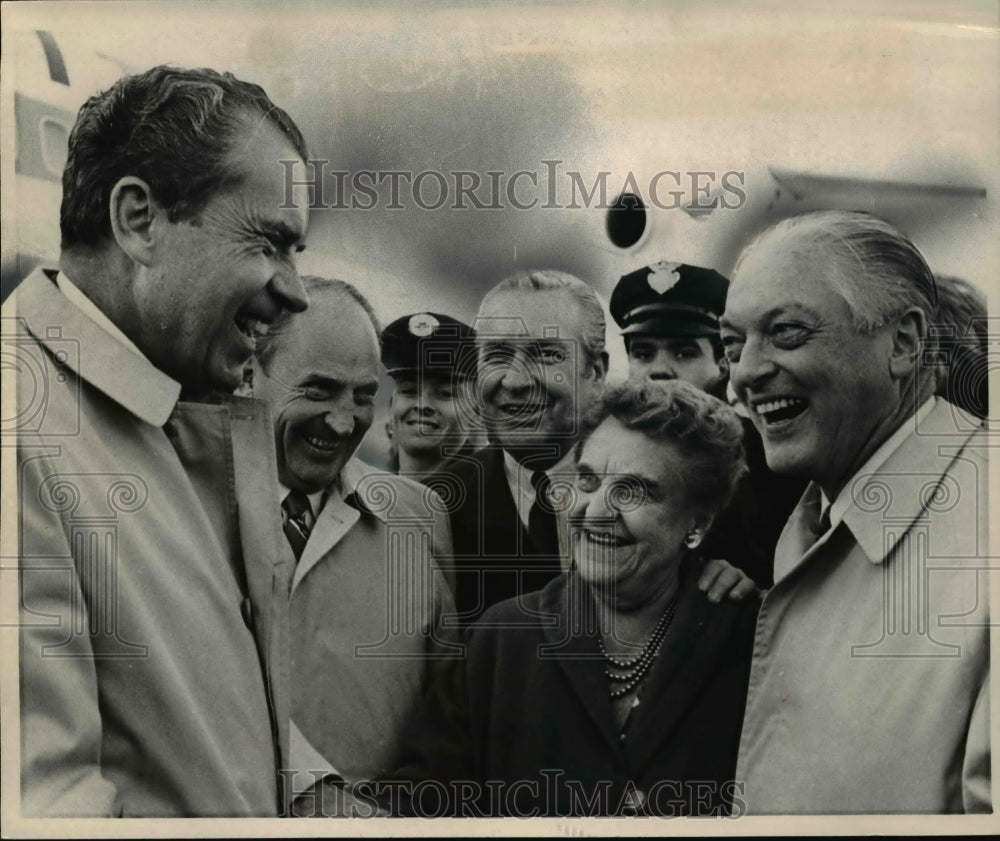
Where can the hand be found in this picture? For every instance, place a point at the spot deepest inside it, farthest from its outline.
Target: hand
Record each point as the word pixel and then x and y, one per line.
pixel 720 579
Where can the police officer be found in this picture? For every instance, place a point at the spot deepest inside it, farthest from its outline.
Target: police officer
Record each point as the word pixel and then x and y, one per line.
pixel 669 316
pixel 431 358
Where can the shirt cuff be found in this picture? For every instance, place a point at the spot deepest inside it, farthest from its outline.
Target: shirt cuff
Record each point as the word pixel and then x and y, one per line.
pixel 308 766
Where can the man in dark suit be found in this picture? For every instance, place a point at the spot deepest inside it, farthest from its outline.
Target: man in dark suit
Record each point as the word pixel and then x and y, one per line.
pixel 542 364
pixel 541 369
pixel 669 314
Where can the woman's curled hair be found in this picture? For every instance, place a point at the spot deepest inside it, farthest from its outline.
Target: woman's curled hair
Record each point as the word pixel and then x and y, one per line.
pixel 706 431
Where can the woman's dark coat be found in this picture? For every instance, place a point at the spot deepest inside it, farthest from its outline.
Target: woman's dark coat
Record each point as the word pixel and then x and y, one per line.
pixel 528 710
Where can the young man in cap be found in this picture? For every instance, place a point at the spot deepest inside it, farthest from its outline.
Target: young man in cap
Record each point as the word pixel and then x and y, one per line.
pixel 669 315
pixel 431 358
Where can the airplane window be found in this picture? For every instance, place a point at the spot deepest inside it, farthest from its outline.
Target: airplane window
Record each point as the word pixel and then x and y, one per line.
pixel 55 142
pixel 626 222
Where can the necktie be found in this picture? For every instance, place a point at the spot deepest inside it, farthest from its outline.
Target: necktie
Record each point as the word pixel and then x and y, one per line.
pixel 805 527
pixel 542 525
pixel 823 524
pixel 297 520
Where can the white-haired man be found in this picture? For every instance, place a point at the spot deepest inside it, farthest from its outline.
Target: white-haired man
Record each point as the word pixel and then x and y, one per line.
pixel 869 686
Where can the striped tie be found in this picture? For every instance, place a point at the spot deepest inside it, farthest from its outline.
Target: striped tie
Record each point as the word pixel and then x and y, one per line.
pixel 297 521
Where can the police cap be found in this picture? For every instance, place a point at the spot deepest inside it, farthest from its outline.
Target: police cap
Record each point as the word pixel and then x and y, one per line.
pixel 670 299
pixel 430 343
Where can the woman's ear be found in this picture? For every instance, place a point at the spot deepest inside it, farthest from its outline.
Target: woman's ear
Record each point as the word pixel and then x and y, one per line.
pixel 700 524
pixel 133 210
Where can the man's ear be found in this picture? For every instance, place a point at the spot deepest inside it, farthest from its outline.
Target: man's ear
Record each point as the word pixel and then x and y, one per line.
pixel 600 366
pixel 908 332
pixel 133 210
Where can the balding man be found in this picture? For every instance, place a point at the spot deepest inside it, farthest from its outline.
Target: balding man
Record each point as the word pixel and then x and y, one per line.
pixel 367 597
pixel 869 686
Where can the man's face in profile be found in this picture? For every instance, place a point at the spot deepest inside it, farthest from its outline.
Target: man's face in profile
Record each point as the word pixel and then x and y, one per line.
pixel 219 279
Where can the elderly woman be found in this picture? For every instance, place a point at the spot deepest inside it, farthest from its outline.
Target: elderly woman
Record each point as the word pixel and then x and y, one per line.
pixel 619 688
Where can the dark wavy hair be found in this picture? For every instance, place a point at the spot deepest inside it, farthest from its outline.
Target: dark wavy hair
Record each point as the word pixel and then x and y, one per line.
pixel 168 126
pixel 706 432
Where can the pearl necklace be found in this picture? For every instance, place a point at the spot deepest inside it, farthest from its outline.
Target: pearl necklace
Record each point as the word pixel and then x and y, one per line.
pixel 633 670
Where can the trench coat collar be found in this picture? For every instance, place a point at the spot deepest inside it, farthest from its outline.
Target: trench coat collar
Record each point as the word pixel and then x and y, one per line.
pixel 85 348
pixel 360 490
pixel 911 482
pixel 884 504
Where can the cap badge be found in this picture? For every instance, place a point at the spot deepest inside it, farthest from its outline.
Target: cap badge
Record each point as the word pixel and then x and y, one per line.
pixel 663 276
pixel 423 324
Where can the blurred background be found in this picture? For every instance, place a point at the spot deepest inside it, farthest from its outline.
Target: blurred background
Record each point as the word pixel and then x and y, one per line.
pixel 889 107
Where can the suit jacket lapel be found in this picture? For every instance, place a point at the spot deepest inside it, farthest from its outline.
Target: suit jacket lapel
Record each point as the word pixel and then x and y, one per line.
pixel 505 533
pixel 697 638
pixel 577 652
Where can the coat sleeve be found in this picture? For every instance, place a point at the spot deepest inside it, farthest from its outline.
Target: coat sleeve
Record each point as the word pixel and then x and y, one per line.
pixel 60 717
pixel 976 792
pixel 436 754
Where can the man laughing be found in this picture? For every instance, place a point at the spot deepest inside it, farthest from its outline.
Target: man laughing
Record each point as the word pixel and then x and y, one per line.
pixel 869 685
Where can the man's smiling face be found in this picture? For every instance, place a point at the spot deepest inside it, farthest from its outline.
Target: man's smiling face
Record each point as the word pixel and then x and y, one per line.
pixel 321 382
pixel 219 279
pixel 818 389
pixel 535 379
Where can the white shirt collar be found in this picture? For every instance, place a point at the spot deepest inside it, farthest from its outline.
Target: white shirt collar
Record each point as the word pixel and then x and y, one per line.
pixel 519 481
pixel 91 310
pixel 842 501
pixel 316 500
